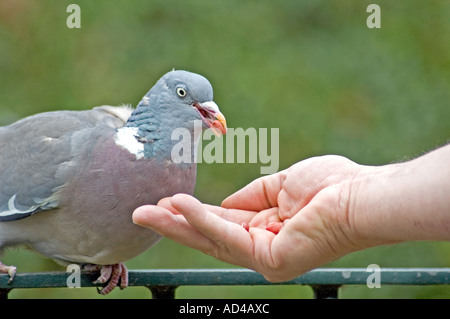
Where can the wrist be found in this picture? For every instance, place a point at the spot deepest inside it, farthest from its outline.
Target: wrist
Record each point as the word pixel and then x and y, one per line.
pixel 374 204
pixel 403 202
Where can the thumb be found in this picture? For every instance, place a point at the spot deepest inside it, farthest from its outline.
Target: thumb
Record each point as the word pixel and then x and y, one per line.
pixel 260 194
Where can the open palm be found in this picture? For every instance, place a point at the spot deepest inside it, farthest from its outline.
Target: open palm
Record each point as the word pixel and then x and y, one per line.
pixel 307 201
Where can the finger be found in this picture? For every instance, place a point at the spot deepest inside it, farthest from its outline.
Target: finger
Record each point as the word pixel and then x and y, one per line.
pixel 232 240
pixel 262 251
pixel 274 227
pixel 263 218
pixel 260 194
pixel 173 226
pixel 233 215
pixel 165 203
pixel 237 216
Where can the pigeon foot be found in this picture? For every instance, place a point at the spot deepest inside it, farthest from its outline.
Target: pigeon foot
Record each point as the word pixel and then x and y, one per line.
pixel 112 274
pixel 10 270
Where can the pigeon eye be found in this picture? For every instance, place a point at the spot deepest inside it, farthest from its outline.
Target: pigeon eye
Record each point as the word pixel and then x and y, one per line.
pixel 181 92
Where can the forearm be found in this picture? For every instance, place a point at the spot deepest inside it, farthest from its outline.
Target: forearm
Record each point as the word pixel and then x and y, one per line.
pixel 406 201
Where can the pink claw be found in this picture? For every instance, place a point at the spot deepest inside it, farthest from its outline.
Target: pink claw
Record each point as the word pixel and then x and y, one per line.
pixel 10 270
pixel 112 274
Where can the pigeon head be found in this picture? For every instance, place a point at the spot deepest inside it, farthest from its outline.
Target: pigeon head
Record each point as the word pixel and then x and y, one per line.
pixel 179 99
pixel 192 95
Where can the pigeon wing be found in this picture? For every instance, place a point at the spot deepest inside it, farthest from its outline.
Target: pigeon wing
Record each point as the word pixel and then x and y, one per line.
pixel 36 157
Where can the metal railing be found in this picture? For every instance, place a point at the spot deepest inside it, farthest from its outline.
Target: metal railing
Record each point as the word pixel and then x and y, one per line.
pixel 163 283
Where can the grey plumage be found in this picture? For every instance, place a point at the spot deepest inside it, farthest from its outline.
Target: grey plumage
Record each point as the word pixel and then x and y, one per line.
pixel 69 184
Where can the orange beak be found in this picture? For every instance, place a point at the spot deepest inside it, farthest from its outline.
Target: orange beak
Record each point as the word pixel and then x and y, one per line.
pixel 212 117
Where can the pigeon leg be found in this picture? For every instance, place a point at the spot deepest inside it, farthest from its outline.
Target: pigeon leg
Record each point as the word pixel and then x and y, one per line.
pixel 105 274
pixel 124 277
pixel 10 270
pixel 112 274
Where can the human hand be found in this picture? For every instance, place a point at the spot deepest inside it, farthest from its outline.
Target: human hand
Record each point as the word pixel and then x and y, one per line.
pixel 310 200
pixel 327 206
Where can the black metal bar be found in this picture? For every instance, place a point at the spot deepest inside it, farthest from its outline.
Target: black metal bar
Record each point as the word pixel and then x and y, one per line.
pixel 325 291
pixel 325 281
pixel 4 293
pixel 163 292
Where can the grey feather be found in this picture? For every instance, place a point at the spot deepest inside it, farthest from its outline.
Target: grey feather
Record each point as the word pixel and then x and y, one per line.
pixel 68 187
pixel 36 156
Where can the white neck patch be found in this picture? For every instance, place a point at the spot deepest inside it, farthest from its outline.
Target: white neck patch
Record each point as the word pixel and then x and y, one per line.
pixel 126 138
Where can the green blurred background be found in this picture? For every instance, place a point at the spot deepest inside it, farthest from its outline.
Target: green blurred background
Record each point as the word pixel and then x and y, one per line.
pixel 313 69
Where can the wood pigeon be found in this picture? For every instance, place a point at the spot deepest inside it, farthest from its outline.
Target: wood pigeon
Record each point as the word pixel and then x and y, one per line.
pixel 70 180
